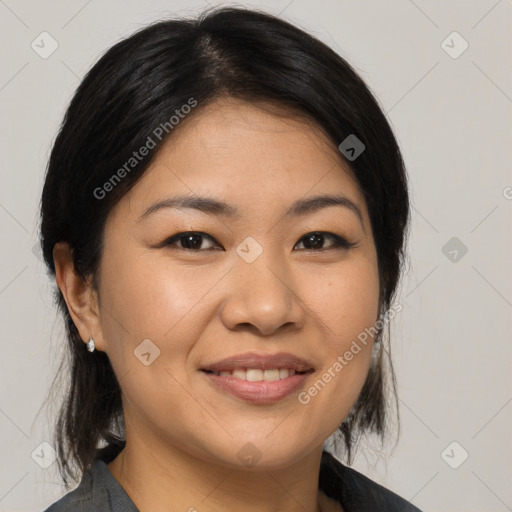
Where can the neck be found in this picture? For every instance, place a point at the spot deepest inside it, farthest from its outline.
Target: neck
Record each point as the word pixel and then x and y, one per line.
pixel 155 477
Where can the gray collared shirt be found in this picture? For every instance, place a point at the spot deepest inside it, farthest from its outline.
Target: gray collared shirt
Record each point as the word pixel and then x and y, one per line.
pixel 99 491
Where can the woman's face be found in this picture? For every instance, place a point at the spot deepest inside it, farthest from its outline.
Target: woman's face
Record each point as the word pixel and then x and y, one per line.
pixel 255 284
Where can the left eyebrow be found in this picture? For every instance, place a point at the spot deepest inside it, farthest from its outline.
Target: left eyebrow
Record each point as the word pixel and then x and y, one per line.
pixel 315 203
pixel 221 209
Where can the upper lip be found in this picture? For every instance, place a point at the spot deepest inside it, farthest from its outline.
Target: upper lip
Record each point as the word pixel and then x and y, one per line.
pixel 261 361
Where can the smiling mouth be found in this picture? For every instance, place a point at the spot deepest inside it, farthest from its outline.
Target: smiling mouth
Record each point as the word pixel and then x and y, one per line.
pixel 258 374
pixel 259 378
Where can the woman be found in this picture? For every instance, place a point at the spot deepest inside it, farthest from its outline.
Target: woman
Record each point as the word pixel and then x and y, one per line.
pixel 225 212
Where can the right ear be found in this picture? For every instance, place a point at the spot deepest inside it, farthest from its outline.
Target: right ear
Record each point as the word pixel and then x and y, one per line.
pixel 81 299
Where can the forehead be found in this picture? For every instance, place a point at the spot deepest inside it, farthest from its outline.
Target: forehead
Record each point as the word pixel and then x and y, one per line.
pixel 249 155
pixel 230 127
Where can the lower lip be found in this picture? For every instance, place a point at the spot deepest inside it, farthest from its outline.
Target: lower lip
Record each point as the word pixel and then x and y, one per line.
pixel 258 392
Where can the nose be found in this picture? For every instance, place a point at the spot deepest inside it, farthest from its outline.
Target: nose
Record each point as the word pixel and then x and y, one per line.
pixel 262 298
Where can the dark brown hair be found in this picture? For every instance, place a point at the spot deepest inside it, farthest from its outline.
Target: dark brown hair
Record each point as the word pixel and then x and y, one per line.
pixel 136 86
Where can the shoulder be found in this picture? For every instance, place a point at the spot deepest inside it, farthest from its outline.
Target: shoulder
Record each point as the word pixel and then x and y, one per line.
pixel 98 491
pixel 80 499
pixel 356 492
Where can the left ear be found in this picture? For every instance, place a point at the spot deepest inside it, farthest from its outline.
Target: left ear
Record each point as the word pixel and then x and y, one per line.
pixel 81 299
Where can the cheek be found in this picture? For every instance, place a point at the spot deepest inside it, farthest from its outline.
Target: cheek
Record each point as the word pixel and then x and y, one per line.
pixel 345 305
pixel 345 301
pixel 148 298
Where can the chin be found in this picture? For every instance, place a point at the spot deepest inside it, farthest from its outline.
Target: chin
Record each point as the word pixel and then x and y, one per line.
pixel 261 454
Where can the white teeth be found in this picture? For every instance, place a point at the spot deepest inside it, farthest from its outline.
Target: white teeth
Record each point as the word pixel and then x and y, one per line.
pixel 256 374
pixel 271 375
pixel 239 374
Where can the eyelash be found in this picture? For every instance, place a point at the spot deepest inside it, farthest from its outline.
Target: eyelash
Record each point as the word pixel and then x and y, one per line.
pixel 339 242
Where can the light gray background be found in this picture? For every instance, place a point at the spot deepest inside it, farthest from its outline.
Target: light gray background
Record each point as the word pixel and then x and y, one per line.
pixel 452 117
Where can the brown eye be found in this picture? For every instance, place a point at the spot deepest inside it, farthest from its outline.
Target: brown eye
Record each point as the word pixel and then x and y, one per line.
pixel 191 241
pixel 316 240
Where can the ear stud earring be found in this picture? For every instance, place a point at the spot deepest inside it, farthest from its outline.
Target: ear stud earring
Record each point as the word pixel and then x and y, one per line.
pixel 90 345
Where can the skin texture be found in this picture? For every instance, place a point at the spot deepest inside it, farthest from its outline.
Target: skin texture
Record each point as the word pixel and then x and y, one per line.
pixel 183 435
